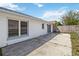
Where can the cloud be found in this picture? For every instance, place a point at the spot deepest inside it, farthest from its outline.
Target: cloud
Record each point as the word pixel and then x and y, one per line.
pixel 12 6
pixel 38 4
pixel 52 15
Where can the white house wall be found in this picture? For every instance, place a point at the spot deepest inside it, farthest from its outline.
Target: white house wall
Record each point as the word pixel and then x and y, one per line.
pixel 34 28
pixel 51 27
pixel 3 31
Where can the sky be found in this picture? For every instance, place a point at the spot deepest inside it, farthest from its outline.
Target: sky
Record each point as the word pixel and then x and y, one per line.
pixel 46 11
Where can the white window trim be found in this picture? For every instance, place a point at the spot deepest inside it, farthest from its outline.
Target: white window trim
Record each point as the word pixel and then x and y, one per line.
pixel 19 28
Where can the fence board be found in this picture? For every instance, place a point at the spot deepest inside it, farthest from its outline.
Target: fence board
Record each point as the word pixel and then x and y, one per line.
pixel 69 28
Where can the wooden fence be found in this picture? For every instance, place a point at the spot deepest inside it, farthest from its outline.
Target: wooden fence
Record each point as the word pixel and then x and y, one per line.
pixel 69 28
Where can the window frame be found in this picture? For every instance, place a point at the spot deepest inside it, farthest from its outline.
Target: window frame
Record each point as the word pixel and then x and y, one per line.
pixel 19 30
pixel 26 28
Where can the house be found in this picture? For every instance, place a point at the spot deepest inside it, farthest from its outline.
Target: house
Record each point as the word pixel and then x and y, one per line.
pixel 16 27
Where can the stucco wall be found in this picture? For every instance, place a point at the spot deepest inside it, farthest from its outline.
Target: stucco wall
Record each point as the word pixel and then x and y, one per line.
pixel 3 31
pixel 34 28
pixel 51 27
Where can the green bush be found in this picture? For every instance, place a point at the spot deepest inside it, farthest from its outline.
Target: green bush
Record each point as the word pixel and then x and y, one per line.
pixel 0 51
pixel 71 18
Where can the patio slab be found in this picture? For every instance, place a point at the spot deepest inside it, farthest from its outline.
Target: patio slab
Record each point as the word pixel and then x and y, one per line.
pixel 52 44
pixel 26 47
pixel 60 45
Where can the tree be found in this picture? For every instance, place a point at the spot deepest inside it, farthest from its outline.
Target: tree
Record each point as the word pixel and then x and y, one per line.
pixel 71 18
pixel 57 23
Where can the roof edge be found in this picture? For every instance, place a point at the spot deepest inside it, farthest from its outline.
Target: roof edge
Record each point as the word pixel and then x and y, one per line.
pixel 38 19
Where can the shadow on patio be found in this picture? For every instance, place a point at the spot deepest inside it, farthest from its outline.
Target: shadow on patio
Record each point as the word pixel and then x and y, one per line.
pixel 26 47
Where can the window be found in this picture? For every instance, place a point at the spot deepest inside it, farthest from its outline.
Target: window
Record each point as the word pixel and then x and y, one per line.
pixel 23 27
pixel 42 26
pixel 12 28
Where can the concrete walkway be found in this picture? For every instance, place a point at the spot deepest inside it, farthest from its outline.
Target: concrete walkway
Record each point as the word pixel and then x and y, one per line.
pixel 52 44
pixel 60 45
pixel 26 47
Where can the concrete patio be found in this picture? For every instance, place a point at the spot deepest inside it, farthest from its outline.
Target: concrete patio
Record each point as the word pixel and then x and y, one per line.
pixel 53 44
pixel 60 45
pixel 26 47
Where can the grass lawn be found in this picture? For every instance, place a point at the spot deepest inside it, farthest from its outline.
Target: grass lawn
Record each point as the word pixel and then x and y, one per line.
pixel 75 43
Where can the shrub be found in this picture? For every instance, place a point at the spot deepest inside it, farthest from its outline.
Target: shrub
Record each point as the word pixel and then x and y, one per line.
pixel 0 51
